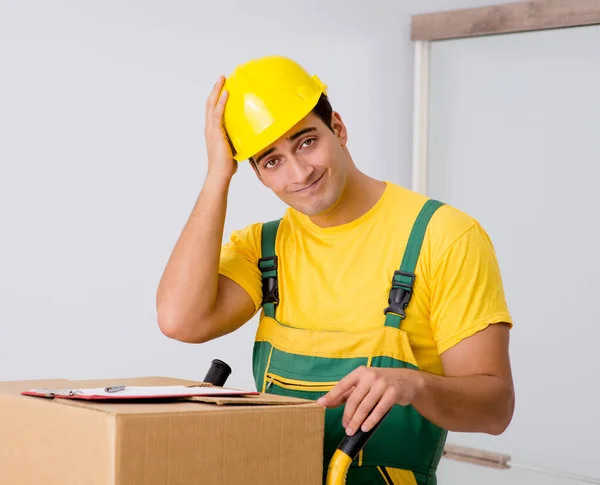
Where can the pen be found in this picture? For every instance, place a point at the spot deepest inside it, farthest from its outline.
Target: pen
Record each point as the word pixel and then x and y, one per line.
pixel 114 388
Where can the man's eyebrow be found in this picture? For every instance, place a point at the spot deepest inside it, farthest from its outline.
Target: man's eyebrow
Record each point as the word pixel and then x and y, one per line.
pixel 293 137
pixel 302 132
pixel 263 155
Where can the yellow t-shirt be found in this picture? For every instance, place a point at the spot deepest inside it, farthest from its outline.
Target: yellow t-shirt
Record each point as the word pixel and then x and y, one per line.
pixel 339 278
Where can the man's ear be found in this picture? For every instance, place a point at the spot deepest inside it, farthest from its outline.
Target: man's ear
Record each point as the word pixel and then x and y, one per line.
pixel 339 128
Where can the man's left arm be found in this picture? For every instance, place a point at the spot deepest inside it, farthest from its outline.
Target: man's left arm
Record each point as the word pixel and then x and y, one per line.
pixel 476 393
pixel 471 324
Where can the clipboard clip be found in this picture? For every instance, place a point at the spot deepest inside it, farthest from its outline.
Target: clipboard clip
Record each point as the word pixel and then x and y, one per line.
pixel 114 388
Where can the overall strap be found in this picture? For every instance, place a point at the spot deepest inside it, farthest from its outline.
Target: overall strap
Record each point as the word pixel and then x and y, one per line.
pixel 268 267
pixel 404 279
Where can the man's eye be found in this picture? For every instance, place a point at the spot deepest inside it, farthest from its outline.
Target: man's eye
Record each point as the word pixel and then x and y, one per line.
pixel 308 142
pixel 271 163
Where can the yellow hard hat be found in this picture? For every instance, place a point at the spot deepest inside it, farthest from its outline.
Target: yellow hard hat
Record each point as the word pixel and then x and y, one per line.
pixel 267 97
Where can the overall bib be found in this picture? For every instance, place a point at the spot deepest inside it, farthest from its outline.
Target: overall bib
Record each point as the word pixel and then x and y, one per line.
pixel 291 361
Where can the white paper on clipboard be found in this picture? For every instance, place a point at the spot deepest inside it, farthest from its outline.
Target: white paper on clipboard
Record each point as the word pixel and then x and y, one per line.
pixel 138 392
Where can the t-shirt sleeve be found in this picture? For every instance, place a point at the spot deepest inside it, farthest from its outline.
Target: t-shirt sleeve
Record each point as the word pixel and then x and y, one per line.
pixel 467 292
pixel 239 261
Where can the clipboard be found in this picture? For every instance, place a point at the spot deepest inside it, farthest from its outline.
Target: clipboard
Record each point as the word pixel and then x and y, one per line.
pixel 138 392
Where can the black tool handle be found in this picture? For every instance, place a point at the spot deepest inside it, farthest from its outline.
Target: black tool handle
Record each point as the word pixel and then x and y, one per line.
pixel 351 445
pixel 218 373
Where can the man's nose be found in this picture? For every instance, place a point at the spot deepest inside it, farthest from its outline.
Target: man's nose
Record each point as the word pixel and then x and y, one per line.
pixel 300 172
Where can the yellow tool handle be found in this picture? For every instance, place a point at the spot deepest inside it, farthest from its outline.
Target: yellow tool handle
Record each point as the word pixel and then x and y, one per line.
pixel 346 452
pixel 338 468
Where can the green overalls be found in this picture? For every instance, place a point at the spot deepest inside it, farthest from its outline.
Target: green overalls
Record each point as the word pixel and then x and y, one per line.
pixel 308 363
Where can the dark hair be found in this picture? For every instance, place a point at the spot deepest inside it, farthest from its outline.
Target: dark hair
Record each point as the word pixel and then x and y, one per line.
pixel 323 110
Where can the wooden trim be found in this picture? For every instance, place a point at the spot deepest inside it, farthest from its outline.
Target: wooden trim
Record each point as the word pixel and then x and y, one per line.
pixel 505 18
pixel 476 456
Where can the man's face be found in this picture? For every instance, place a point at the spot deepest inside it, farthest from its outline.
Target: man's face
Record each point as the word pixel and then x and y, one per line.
pixel 306 167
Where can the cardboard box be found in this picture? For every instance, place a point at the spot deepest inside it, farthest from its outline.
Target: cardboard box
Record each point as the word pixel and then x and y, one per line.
pixel 265 440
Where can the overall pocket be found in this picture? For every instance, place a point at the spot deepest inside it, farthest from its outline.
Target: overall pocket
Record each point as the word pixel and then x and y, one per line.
pixel 298 385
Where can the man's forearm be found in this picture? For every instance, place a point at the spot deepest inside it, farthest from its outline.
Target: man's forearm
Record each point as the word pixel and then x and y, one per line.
pixel 477 403
pixel 188 287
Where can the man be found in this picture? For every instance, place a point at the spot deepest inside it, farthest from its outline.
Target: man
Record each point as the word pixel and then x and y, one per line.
pixel 375 299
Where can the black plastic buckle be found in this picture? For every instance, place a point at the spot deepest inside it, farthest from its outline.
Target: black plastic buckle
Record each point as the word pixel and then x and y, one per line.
pixel 400 294
pixel 270 286
pixel 271 263
pixel 270 290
